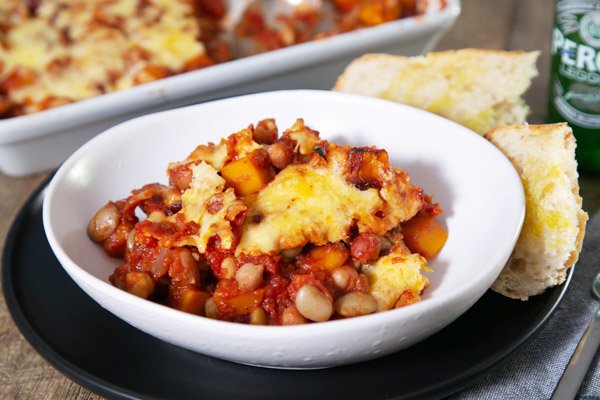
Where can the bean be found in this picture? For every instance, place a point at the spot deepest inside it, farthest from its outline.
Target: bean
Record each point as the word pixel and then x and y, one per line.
pixel 116 244
pixel 130 240
pixel 313 304
pixel 291 253
pixel 355 304
pixel 210 308
pixel 156 216
pixel 187 259
pixel 386 243
pixel 344 276
pixel 281 153
pixel 189 267
pixel 361 284
pixel 258 316
pixel 291 316
pixel 139 284
pixel 180 177
pixel 365 247
pixel 265 132
pixel 227 268
pixel 104 222
pixel 249 276
pixel 159 267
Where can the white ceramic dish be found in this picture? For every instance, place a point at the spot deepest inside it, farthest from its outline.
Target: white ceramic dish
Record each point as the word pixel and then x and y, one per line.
pixel 43 140
pixel 476 185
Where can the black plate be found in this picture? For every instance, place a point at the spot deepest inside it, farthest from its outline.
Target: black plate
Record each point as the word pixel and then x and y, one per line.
pixel 111 358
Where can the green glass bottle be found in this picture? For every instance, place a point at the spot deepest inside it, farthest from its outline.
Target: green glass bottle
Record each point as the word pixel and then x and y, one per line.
pixel 575 77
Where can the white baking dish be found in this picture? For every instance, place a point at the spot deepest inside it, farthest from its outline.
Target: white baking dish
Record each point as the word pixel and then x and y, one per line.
pixel 41 141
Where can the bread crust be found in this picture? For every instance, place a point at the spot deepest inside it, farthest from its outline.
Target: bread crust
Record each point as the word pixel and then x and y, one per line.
pixel 477 88
pixel 398 59
pixel 534 264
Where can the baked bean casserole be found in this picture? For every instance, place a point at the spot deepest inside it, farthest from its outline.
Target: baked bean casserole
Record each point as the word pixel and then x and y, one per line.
pixel 54 52
pixel 277 230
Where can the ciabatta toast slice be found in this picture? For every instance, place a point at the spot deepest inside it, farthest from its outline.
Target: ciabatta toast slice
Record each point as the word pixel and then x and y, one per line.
pixel 552 235
pixel 476 88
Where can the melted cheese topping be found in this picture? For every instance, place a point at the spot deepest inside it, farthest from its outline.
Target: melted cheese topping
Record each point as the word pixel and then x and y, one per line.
pixel 305 138
pixel 392 275
pixel 305 204
pixel 207 185
pixel 238 145
pixel 82 48
pixel 315 203
pixel 312 202
pixel 12 12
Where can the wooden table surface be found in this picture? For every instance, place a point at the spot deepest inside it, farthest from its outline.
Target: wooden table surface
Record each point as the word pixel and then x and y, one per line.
pixel 506 24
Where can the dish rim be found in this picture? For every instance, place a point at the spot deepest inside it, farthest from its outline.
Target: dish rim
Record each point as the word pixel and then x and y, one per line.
pixel 164 92
pixel 305 330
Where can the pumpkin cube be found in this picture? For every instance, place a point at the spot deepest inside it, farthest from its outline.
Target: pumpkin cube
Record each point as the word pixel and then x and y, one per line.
pixel 329 256
pixel 250 174
pixel 423 234
pixel 242 304
pixel 193 301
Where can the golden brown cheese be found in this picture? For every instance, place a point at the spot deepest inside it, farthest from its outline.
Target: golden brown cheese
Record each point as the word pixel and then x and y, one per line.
pixel 305 204
pixel 12 12
pixel 392 275
pixel 311 202
pixel 306 139
pixel 206 185
pixel 235 146
pixel 82 48
pixel 315 203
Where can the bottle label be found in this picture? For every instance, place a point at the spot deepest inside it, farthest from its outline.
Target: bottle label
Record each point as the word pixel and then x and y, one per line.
pixel 576 62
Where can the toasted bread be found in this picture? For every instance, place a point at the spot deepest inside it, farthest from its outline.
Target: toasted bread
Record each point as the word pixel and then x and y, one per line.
pixel 552 235
pixel 476 88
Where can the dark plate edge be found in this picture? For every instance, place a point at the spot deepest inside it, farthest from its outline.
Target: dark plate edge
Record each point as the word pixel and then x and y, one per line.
pixel 107 389
pixel 484 368
pixel 70 370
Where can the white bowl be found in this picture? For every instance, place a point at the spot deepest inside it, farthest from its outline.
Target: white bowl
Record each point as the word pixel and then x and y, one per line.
pixel 43 140
pixel 479 190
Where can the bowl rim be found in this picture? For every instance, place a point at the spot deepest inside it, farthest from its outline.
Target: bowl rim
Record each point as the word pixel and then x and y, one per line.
pixel 499 256
pixel 221 76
